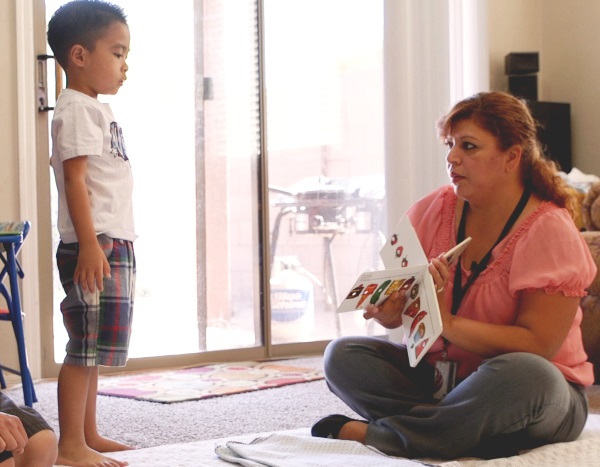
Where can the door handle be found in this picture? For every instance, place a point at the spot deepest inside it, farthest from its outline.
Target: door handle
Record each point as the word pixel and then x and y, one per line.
pixel 42 82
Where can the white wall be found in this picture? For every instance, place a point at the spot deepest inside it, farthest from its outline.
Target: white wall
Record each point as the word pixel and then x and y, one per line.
pixel 9 198
pixel 565 33
pixel 570 61
pixel 8 126
pixel 515 26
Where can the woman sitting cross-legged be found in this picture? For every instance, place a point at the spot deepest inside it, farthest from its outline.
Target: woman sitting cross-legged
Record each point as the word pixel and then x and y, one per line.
pixel 510 306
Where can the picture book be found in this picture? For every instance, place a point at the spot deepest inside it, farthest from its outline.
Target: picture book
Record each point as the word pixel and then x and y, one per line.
pixel 407 272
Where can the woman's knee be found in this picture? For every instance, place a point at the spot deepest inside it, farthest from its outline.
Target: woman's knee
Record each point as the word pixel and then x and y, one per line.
pixel 335 354
pixel 345 356
pixel 526 367
pixel 521 362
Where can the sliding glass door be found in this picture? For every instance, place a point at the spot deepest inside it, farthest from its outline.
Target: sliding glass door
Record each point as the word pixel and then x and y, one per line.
pixel 255 134
pixel 324 107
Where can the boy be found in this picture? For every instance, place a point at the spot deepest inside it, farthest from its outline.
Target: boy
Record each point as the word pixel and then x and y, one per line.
pixel 26 440
pixel 96 263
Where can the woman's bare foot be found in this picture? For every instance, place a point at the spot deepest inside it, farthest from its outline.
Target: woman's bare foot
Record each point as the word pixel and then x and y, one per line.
pixel 84 456
pixel 102 444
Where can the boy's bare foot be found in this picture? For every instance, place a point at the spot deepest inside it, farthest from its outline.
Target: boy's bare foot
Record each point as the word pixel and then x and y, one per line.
pixel 85 457
pixel 102 444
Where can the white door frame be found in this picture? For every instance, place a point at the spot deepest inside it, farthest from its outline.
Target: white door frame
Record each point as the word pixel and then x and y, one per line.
pixel 27 162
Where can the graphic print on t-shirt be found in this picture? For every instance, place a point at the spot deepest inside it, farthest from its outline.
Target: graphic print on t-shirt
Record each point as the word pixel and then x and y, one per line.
pixel 117 143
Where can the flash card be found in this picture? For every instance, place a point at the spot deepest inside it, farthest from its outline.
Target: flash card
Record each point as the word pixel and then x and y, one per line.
pixel 406 273
pixel 403 248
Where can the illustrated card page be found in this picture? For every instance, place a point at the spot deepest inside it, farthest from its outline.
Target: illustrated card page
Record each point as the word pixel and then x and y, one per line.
pixel 420 317
pixel 406 271
pixel 403 247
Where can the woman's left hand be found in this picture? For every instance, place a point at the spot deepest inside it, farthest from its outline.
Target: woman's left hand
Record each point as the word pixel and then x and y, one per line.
pixel 440 271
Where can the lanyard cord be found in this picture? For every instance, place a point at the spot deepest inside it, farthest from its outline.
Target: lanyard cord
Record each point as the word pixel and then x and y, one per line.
pixel 458 291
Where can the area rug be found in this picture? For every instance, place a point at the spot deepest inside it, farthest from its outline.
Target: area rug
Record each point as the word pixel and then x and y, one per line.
pixel 203 382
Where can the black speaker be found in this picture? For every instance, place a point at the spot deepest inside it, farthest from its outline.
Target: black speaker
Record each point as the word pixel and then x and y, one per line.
pixel 524 87
pixel 554 131
pixel 521 63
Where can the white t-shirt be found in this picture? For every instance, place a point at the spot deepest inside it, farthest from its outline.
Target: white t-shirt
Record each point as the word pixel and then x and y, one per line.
pixel 83 126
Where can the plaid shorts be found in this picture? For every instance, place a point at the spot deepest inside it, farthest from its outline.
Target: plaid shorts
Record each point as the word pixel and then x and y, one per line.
pixel 98 323
pixel 32 421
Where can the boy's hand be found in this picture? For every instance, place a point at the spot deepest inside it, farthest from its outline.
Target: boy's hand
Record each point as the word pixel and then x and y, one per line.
pixel 92 267
pixel 12 434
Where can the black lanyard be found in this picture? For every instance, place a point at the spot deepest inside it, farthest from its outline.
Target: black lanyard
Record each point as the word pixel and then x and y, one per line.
pixel 458 291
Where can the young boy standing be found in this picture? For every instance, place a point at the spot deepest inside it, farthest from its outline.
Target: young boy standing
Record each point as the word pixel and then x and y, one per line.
pixel 95 258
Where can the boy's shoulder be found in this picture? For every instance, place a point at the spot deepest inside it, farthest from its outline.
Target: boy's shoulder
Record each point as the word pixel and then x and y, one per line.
pixel 70 96
pixel 79 105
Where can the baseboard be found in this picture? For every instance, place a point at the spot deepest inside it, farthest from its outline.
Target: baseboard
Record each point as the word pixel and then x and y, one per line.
pixel 11 379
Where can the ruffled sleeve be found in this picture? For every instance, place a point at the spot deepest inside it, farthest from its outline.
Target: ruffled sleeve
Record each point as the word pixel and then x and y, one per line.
pixel 552 255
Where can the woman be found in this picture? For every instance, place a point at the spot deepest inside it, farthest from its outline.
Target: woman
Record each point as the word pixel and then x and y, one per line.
pixel 510 307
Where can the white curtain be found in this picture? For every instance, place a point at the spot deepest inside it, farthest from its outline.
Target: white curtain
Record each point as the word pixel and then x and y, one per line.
pixel 435 53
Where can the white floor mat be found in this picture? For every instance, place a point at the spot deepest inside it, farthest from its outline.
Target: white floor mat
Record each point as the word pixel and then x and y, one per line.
pixel 585 452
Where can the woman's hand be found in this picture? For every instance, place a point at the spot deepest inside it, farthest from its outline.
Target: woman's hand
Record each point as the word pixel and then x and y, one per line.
pixel 389 313
pixel 440 271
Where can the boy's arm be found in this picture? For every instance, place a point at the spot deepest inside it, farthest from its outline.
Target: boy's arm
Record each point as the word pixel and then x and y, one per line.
pixel 92 264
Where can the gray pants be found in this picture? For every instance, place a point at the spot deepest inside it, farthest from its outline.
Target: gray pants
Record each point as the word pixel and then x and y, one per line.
pixel 512 402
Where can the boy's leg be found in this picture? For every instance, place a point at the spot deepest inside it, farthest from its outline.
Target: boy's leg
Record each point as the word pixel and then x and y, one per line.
pixel 95 338
pixel 114 329
pixel 73 384
pixel 73 394
pixel 116 304
pixel 93 439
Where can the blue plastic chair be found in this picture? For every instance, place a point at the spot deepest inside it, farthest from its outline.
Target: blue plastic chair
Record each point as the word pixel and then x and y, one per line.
pixel 11 241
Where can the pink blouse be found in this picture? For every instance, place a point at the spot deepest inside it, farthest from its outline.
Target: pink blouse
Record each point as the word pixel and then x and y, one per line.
pixel 545 252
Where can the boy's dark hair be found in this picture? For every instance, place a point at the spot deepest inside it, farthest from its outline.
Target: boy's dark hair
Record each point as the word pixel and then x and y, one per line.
pixel 80 22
